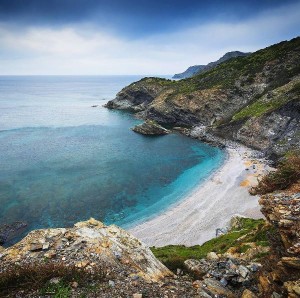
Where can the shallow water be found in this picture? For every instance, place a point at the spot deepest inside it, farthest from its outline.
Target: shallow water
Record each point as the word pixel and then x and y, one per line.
pixel 63 161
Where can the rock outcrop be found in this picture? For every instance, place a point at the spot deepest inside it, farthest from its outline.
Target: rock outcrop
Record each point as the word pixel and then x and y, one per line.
pixel 282 210
pixel 198 69
pixel 253 99
pixel 150 127
pixel 229 277
pixel 87 244
pixel 87 260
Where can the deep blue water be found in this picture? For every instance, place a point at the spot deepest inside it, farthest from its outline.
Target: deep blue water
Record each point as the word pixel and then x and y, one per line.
pixel 63 161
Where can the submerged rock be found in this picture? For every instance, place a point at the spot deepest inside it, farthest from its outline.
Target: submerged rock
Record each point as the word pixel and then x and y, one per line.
pixel 150 128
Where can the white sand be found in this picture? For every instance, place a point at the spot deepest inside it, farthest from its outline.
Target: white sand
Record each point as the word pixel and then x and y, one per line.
pixel 195 219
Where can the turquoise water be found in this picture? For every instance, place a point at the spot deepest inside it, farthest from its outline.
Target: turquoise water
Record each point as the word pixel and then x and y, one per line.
pixel 63 161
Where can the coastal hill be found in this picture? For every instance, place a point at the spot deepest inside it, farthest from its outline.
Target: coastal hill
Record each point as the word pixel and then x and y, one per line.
pixel 197 69
pixel 253 100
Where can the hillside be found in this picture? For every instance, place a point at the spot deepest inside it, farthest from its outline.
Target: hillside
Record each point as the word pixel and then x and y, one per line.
pixel 253 99
pixel 197 69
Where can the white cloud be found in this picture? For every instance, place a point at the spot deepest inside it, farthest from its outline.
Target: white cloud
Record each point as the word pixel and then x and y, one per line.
pixel 82 50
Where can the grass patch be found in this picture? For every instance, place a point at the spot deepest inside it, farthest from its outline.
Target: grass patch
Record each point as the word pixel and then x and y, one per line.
pixel 173 256
pixel 259 108
pixel 243 248
pixel 264 105
pixel 60 290
pixel 287 173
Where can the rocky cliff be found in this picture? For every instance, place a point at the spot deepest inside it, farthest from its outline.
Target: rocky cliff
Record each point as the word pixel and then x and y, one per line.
pixel 281 272
pixel 198 69
pixel 88 260
pixel 252 99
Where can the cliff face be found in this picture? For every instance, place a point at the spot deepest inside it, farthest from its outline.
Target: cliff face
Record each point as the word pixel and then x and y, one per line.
pixel 253 99
pixel 282 210
pixel 198 69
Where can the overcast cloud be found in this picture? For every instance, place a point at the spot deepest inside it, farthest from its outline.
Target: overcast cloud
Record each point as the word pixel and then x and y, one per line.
pixel 84 48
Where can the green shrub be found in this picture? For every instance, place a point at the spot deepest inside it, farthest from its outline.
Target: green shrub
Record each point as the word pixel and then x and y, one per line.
pixel 36 276
pixel 287 173
pixel 253 230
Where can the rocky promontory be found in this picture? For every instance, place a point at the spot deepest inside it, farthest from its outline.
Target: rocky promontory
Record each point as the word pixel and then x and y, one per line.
pixel 253 100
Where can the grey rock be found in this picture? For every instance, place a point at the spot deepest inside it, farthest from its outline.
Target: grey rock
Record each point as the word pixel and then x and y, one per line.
pixel 243 271
pixel 150 128
pixel 224 282
pixel 216 288
pixel 55 280
pixel 212 256
pixel 36 246
pixel 195 267
pixel 111 283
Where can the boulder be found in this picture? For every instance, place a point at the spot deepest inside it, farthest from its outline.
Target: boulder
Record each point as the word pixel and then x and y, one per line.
pixel 212 256
pixel 150 128
pixel 87 245
pixel 215 288
pixel 196 267
pixel 248 294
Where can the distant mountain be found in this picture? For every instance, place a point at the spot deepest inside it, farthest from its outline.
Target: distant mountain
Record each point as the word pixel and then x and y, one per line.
pixel 197 69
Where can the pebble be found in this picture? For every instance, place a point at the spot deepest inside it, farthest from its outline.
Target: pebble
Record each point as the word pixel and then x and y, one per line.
pixel 54 280
pixel 223 282
pixel 111 283
pixel 46 245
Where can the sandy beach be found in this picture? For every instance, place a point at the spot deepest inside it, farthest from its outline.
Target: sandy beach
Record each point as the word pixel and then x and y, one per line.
pixel 195 219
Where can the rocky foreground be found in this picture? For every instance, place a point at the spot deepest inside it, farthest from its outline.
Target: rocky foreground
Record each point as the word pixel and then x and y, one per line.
pixel 127 268
pixel 94 260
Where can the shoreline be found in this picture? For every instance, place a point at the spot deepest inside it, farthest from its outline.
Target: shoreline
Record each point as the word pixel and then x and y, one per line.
pixel 209 206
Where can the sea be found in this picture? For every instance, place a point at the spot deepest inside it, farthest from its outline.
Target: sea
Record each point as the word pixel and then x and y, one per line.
pixel 65 158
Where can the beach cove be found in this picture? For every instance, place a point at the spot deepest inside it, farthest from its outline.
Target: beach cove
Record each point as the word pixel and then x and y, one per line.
pixel 211 205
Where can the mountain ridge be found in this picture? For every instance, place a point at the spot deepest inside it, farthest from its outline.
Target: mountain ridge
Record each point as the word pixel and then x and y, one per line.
pixel 197 69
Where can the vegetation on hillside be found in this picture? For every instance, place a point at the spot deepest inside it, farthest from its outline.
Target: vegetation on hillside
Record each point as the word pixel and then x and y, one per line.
pixel 37 277
pixel 241 68
pixel 264 105
pixel 287 173
pixel 225 74
pixel 249 230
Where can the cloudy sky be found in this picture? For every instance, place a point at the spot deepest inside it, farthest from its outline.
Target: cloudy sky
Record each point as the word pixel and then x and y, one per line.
pixel 135 36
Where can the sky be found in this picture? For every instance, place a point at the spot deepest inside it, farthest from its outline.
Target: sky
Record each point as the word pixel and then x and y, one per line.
pixel 116 37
